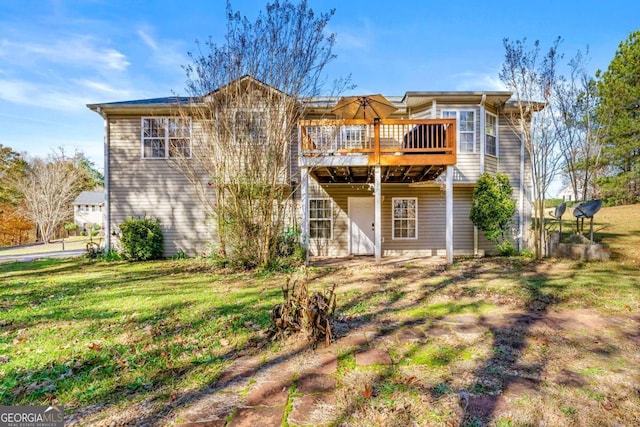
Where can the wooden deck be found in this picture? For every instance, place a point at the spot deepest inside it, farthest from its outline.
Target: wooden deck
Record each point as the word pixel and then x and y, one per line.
pixel 411 150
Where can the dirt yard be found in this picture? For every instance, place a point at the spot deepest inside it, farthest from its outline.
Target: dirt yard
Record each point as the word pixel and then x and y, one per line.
pixel 497 342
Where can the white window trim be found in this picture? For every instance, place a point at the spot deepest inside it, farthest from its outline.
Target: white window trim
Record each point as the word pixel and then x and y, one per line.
pixel 166 137
pixel 330 219
pixel 263 119
pixel 496 135
pixel 393 218
pixel 457 111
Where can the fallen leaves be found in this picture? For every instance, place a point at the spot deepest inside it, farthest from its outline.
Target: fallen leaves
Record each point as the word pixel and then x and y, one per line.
pixel 95 346
pixel 367 392
pixel 607 404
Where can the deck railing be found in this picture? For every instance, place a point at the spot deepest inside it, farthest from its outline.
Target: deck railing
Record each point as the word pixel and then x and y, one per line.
pixel 377 137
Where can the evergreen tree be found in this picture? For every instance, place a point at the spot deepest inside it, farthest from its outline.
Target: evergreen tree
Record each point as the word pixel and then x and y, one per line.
pixel 619 114
pixel 12 167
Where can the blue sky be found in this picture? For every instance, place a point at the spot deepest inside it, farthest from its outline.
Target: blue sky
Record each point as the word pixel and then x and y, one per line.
pixel 58 55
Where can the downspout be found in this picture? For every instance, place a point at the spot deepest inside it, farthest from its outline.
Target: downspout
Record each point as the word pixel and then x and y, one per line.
pixel 483 118
pixel 521 197
pixel 107 204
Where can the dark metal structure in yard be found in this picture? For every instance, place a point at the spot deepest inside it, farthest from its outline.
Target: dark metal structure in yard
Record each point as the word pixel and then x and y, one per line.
pixel 586 210
pixel 559 211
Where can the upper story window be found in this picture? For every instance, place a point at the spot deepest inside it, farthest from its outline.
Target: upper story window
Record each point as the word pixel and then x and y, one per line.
pixel 164 137
pixel 250 127
pixel 491 132
pixel 466 128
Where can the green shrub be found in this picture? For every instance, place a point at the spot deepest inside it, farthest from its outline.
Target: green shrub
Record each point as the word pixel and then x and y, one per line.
pixel 506 248
pixel 71 227
pixel 288 254
pixel 141 239
pixel 492 210
pixel 527 253
pixel 180 255
pixel 111 256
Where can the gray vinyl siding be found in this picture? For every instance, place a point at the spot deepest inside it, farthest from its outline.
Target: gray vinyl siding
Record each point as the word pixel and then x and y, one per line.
pixel 431 220
pixel 154 188
pixel 463 229
pixel 294 170
pixel 467 168
pixel 509 163
pixel 490 164
pixel 339 194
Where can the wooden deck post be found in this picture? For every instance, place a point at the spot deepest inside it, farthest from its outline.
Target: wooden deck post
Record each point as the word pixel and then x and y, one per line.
pixel 376 141
pixel 304 208
pixel 377 191
pixel 449 214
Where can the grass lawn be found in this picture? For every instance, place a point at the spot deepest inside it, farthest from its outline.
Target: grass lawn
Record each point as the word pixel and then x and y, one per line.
pixel 520 342
pixel 82 333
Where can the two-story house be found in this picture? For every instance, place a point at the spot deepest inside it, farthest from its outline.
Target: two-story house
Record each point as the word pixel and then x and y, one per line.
pixel 398 185
pixel 88 210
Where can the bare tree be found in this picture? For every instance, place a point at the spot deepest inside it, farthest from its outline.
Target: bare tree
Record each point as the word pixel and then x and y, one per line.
pixel 49 187
pixel 246 97
pixel 575 120
pixel 532 80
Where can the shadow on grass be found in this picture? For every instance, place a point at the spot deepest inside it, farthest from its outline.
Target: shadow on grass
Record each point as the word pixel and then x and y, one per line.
pixel 16 269
pixel 415 309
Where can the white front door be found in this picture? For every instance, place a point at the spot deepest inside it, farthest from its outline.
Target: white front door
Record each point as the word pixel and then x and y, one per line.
pixel 361 225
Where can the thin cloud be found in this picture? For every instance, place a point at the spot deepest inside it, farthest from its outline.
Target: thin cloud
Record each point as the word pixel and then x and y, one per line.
pixel 351 41
pixel 147 39
pixel 103 88
pixel 359 36
pixel 479 81
pixel 26 93
pixel 80 51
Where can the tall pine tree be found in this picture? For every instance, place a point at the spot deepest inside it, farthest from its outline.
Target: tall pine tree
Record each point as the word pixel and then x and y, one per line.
pixel 619 114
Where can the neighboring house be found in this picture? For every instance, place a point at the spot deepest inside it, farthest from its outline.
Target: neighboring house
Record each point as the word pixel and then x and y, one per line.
pixel 89 209
pixel 397 186
pixel 567 195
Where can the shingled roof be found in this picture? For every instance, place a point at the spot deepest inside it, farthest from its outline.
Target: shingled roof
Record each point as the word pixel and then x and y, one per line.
pixel 90 198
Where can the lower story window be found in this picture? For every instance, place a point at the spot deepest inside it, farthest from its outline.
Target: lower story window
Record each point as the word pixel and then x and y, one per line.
pixel 320 219
pixel 405 218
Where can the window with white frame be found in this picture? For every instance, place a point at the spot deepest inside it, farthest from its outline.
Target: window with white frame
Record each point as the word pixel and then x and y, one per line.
pixel 164 137
pixel 491 132
pixel 250 127
pixel 320 219
pixel 466 128
pixel 405 218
